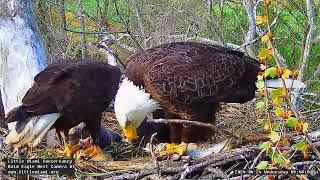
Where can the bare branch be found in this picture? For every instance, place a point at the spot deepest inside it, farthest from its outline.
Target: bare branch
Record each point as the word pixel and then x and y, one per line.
pixel 209 6
pixel 252 28
pixel 196 123
pixel 81 20
pixel 316 74
pixel 154 158
pixel 138 16
pixel 309 39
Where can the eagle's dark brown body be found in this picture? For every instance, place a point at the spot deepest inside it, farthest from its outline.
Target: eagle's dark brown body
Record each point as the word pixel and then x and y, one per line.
pixel 190 79
pixel 79 90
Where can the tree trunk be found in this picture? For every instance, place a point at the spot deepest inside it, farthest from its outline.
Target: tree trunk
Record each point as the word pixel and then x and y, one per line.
pixel 22 54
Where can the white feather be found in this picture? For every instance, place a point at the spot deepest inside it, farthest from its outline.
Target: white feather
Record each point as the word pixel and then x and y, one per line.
pixel 33 133
pixel 133 104
pixel 290 83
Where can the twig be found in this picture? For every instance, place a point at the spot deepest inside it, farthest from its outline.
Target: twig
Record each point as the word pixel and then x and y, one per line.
pixel 257 158
pixel 220 159
pixel 154 158
pixel 196 123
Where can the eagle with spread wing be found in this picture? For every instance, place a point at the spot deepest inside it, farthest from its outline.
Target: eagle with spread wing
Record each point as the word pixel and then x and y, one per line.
pixel 68 93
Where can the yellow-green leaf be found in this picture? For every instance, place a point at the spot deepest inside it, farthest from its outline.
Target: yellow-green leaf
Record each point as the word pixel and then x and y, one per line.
pixel 271 72
pixel 274 136
pixel 286 73
pixel 262 165
pixel 262 19
pixel 261 121
pixel 276 127
pixel 264 145
pixel 278 112
pixel 266 37
pixel 278 100
pixel 279 160
pixel 266 125
pixel 275 93
pixel 260 106
pixel 263 53
pixel 260 84
pixel 292 121
pixel 305 127
pixel 300 145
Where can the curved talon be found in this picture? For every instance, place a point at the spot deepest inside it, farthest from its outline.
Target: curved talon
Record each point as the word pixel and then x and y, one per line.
pixel 93 153
pixel 69 151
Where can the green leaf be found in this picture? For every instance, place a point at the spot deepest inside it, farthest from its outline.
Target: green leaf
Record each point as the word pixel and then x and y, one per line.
pixel 274 136
pixel 260 84
pixel 279 160
pixel 292 121
pixel 261 121
pixel 260 106
pixel 262 165
pixel 276 127
pixel 275 93
pixel 271 72
pixel 264 145
pixel 278 112
pixel 300 145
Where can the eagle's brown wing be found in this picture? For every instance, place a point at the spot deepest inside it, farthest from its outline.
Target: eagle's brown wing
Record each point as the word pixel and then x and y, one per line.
pixel 44 81
pixel 71 88
pixel 201 78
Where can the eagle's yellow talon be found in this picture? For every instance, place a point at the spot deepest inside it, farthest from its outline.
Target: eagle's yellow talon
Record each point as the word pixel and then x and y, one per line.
pixel 92 151
pixel 69 151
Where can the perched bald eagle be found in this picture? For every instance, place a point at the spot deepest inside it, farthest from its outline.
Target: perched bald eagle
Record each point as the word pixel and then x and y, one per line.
pixel 187 80
pixel 69 92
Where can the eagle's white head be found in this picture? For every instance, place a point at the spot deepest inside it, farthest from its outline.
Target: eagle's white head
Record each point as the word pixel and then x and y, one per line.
pixel 132 105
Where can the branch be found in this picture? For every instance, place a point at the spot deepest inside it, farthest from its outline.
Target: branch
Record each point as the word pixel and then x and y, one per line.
pixel 154 158
pixel 82 38
pixel 222 158
pixel 316 74
pixel 308 40
pixel 196 123
pixel 209 7
pixel 260 33
pixel 252 28
pixel 140 24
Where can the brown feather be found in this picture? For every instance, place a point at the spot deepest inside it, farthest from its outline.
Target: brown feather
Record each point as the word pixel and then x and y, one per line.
pixel 79 90
pixel 190 79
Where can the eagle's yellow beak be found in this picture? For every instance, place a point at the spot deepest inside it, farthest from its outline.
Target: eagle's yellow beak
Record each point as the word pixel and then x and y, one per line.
pixel 130 133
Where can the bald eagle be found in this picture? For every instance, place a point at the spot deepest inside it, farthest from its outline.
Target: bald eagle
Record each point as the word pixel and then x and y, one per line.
pixel 187 80
pixel 69 92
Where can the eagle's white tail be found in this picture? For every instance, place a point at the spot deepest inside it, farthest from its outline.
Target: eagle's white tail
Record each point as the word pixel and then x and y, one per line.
pixel 290 83
pixel 34 131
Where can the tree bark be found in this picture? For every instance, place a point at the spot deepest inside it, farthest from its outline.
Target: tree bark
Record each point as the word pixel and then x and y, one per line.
pixel 22 53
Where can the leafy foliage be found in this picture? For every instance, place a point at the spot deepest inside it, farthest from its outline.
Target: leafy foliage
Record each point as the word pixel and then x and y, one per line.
pixel 285 119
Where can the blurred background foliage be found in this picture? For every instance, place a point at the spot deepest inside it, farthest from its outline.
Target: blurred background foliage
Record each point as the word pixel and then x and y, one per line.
pixel 153 22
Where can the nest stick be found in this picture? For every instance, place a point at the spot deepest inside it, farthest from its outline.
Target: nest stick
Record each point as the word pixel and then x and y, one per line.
pixel 196 123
